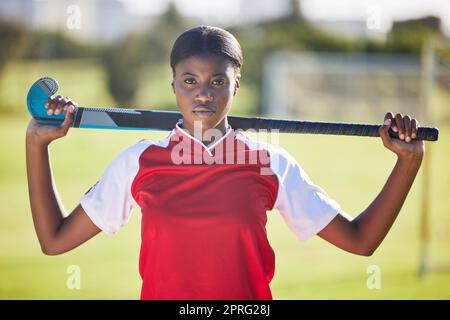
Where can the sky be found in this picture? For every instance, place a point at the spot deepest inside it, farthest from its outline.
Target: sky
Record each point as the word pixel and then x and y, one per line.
pixel 387 10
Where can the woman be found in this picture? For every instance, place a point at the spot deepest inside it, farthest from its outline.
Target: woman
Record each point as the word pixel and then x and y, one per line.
pixel 205 189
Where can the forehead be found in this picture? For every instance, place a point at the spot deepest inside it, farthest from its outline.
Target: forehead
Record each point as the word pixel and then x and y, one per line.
pixel 204 65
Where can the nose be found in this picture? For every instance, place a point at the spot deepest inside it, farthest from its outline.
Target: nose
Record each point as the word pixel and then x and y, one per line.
pixel 204 94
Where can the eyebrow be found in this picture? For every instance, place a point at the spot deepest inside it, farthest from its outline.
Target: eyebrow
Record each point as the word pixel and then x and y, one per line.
pixel 193 74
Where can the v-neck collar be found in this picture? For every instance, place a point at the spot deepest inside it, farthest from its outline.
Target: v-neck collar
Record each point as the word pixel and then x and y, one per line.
pixel 182 132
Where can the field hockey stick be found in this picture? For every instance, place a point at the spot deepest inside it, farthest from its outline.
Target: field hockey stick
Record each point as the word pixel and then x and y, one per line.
pixel 138 119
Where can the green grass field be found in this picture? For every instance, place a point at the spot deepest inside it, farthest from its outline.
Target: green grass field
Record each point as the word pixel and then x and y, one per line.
pixel 351 170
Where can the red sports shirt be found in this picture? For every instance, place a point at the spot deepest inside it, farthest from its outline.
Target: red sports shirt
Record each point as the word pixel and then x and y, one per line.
pixel 204 212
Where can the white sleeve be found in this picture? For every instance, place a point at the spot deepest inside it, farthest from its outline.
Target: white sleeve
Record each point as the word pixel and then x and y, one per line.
pixel 109 202
pixel 305 207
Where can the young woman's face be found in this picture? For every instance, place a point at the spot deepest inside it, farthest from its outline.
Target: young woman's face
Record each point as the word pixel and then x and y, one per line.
pixel 204 87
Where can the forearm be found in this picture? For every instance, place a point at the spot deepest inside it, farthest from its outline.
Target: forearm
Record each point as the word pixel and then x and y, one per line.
pixel 374 223
pixel 46 210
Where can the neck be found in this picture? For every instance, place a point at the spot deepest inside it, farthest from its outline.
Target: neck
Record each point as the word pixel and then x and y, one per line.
pixel 202 133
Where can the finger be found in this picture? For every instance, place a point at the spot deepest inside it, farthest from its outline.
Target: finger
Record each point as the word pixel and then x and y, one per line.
pixel 69 103
pixel 50 105
pixel 60 105
pixel 407 124
pixel 390 115
pixel 414 127
pixel 53 102
pixel 400 126
pixel 384 132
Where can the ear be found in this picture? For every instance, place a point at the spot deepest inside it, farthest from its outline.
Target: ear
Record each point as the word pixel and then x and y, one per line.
pixel 173 87
pixel 237 84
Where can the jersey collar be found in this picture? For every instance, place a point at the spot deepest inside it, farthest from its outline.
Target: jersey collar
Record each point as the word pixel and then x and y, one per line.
pixel 182 132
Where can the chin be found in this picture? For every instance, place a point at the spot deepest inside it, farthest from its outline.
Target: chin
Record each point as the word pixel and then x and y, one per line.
pixel 209 122
pixel 206 124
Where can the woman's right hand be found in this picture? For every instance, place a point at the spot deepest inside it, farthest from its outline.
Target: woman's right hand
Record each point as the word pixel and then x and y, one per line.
pixel 44 134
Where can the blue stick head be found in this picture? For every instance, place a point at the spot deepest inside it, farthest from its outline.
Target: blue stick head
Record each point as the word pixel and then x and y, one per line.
pixel 38 94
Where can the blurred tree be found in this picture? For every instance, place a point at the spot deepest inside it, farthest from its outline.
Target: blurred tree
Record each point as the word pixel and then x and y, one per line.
pixel 159 40
pixel 122 63
pixel 409 36
pixel 55 45
pixel 11 42
pixel 295 12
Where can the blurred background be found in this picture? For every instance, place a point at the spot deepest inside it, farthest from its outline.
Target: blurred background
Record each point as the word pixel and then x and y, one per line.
pixel 315 60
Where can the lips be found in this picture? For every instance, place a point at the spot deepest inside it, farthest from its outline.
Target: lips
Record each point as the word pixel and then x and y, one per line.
pixel 203 112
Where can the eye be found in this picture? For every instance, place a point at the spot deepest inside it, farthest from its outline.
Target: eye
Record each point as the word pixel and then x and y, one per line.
pixel 189 81
pixel 218 82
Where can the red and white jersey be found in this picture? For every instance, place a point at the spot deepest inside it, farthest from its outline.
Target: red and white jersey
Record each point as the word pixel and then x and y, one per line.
pixel 204 212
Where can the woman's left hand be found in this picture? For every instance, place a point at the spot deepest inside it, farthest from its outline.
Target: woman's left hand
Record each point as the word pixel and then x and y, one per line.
pixel 406 128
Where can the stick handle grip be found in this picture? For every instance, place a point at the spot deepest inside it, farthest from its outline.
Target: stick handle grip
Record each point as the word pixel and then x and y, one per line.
pixel 346 129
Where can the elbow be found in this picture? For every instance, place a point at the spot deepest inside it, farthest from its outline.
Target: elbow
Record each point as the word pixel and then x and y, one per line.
pixel 363 246
pixel 366 251
pixel 50 250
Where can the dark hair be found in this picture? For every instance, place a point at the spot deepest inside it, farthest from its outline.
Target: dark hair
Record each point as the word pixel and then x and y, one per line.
pixel 206 40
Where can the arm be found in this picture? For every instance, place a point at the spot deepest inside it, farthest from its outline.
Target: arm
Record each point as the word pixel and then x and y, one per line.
pixel 365 233
pixel 56 233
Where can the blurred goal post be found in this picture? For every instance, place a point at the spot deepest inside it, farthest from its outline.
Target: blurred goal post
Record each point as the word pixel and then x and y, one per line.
pixel 356 87
pixel 341 87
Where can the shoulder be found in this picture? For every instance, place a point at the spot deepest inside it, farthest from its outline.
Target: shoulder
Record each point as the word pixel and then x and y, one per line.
pixel 136 148
pixel 132 153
